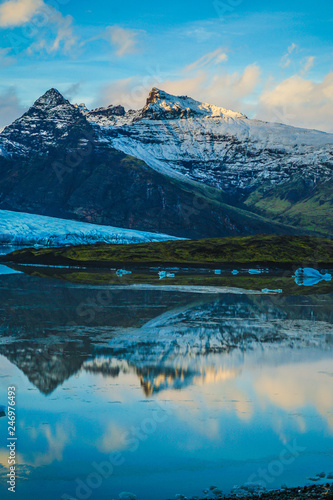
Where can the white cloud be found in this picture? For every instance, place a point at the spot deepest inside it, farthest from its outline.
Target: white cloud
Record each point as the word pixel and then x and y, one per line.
pixel 300 102
pixel 54 32
pixel 125 40
pixel 307 64
pixel 51 31
pixel 201 80
pixel 10 107
pixel 15 13
pixel 212 58
pixel 286 60
pixel 5 58
pixel 229 90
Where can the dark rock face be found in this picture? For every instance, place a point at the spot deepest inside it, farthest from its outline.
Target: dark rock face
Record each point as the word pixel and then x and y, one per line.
pixel 107 112
pixel 108 187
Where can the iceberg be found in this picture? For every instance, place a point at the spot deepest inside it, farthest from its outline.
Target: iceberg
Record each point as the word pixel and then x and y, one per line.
pixel 165 274
pixel 307 276
pixel 254 271
pixel 258 271
pixel 122 272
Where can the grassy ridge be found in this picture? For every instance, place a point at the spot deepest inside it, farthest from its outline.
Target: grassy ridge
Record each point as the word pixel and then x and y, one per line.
pixel 296 204
pixel 251 249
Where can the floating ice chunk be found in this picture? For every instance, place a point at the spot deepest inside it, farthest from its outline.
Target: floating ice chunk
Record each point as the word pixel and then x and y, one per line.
pixel 235 272
pixel 122 272
pixel 217 271
pixel 258 271
pixel 165 274
pixel 307 276
pixel 254 271
pixel 267 290
pixel 311 273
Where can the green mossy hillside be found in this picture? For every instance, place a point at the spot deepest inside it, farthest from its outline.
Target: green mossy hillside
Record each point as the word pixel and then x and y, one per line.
pixel 270 249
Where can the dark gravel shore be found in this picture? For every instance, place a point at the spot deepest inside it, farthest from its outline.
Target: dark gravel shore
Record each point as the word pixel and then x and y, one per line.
pixel 313 492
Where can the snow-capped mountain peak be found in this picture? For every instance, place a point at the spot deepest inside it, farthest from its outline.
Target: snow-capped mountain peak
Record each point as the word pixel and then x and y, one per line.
pixel 46 123
pixel 160 104
pixel 51 99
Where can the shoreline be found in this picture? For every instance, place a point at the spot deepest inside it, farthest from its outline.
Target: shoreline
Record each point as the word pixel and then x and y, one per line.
pixel 310 492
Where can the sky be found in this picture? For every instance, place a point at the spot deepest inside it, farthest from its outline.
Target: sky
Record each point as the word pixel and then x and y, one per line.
pixel 270 60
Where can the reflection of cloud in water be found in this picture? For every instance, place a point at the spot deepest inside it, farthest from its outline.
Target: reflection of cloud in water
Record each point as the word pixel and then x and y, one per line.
pixel 292 387
pixel 113 439
pixel 56 440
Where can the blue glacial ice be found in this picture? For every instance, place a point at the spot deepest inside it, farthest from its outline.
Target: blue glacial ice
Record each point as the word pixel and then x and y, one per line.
pixel 307 276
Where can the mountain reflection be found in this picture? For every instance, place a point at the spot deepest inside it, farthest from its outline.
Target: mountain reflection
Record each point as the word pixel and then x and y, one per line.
pixel 169 340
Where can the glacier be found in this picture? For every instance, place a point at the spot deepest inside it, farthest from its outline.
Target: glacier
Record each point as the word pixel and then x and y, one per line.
pixel 18 228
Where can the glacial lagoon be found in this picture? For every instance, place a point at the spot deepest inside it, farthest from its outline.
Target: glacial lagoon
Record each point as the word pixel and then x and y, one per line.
pixel 158 390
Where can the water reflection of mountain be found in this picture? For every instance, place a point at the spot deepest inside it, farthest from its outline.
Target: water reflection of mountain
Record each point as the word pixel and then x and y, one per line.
pixel 52 330
pixel 208 342
pixel 46 367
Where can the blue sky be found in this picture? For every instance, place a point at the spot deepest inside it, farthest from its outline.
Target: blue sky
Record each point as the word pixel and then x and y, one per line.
pixel 270 60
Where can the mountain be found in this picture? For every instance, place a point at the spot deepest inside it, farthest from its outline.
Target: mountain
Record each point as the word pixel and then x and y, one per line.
pixel 177 166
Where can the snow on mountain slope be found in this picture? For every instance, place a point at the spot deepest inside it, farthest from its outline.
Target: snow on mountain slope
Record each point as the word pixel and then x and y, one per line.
pixel 185 138
pixel 29 229
pixel 180 137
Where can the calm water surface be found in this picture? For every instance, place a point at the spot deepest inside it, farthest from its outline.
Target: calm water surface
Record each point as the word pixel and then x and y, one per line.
pixel 163 392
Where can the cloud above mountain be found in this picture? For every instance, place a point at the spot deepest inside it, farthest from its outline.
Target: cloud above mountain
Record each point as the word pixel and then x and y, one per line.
pixel 299 101
pixel 124 40
pixel 15 13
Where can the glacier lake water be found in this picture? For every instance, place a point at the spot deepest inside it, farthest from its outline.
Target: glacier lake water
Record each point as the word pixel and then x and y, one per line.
pixel 159 391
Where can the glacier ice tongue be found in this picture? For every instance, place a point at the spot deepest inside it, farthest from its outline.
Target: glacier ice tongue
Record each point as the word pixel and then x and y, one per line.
pixel 17 228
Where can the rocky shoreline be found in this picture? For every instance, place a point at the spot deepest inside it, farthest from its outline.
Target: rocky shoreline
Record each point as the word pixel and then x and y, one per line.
pixel 311 492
